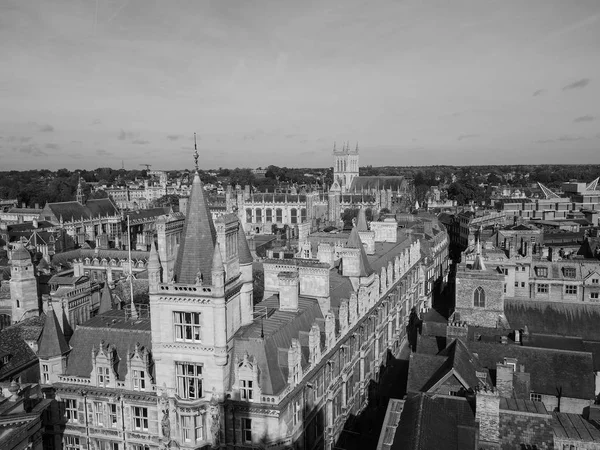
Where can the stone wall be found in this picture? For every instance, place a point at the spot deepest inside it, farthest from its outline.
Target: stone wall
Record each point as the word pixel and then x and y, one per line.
pixel 492 283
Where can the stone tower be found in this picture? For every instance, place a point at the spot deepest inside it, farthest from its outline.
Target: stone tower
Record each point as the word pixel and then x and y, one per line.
pixel 53 349
pixel 23 285
pixel 334 203
pixel 345 166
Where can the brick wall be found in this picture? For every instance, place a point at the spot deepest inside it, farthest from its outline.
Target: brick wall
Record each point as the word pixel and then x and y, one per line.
pixel 518 428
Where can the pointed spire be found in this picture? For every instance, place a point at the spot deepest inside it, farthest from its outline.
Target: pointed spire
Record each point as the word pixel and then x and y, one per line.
pixel 197 240
pixel 354 241
pixel 334 147
pixel 243 249
pixel 478 264
pixel 79 195
pixel 356 151
pixel 106 302
pixel 153 260
pixel 362 220
pixel 217 260
pixel 52 342
pixel 195 153
pixel 67 330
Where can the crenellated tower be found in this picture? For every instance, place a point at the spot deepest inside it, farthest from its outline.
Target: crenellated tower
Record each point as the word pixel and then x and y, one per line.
pixel 345 165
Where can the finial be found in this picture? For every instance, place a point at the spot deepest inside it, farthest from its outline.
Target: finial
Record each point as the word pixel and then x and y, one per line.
pixel 334 149
pixel 356 146
pixel 195 153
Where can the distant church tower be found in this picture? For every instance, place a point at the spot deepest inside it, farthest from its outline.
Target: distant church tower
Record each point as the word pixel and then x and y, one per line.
pixel 23 285
pixel 345 165
pixel 79 195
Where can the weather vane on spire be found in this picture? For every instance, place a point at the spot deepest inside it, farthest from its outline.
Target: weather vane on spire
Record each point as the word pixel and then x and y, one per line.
pixel 195 152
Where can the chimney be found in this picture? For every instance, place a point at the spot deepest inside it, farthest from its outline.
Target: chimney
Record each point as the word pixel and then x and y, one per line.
pixel 504 379
pixel 456 330
pixel 518 337
pixel 487 414
pixel 35 222
pixel 288 291
pixel 553 254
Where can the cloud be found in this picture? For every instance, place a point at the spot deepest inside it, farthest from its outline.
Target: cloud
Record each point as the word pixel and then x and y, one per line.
pixel 47 128
pixel 290 136
pixel 580 84
pixel 466 136
pixel 96 122
pixel 76 142
pixel 586 118
pixel 539 92
pixel 304 141
pixel 24 138
pixel 31 149
pixel 544 141
pixel 123 135
pixel 174 137
pixel 75 155
pixel 140 142
pixel 102 152
pixel 569 138
pixel 51 146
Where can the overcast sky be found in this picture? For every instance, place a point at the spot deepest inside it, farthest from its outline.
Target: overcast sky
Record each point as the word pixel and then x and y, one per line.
pixel 90 83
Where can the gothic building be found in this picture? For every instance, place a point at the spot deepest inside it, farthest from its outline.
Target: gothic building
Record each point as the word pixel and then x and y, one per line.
pixel 206 366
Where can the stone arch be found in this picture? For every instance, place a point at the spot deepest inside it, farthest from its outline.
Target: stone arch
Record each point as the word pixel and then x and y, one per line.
pixel 479 297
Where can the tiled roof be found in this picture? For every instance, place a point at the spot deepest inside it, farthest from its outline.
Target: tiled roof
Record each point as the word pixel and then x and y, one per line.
pixel 566 319
pixel 76 211
pixel 279 329
pixel 243 249
pixel 574 426
pixel 52 342
pixel 529 406
pixel 12 342
pixel 549 369
pixel 197 240
pixel 111 327
pixel 436 423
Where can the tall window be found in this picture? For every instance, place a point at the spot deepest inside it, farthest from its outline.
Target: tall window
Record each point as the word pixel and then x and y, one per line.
pixel 103 375
pixel 296 412
pixel 189 380
pixel 140 418
pixel 139 380
pixel 479 297
pixel 187 326
pixel 191 427
pixel 71 409
pixel 112 415
pixel 98 414
pixel 246 389
pixel 294 215
pixel 258 215
pixel 303 215
pixel 246 430
pixel 278 215
pixel 45 373
pixel 248 215
pixel 269 215
pixel 72 443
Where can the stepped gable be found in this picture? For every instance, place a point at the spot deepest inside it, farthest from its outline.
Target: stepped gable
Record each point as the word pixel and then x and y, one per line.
pixel 243 249
pixel 355 242
pixel 112 327
pixel 197 240
pixel 52 342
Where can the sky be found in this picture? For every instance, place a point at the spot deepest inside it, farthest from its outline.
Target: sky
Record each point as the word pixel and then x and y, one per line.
pixel 105 83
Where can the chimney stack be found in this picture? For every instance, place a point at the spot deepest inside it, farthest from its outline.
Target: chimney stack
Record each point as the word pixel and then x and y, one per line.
pixel 288 291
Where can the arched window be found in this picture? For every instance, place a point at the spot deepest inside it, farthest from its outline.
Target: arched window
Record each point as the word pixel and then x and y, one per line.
pixel 258 215
pixel 294 215
pixel 303 215
pixel 269 215
pixel 479 297
pixel 248 215
pixel 278 215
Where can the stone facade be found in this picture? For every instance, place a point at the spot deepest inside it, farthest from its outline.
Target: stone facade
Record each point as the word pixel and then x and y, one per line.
pixel 488 309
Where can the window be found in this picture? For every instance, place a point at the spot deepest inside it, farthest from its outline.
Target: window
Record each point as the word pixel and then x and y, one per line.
pixel 248 215
pixel 454 393
pixel 191 427
pixel 189 380
pixel 103 376
pixel 139 381
pixel 522 284
pixel 505 271
pixel 278 215
pixel 187 326
pixel 542 288
pixel 98 414
pixel 140 447
pixel 594 296
pixel 541 272
pixel 296 412
pixel 246 389
pixel 246 430
pixel 71 409
pixel 516 284
pixel 505 288
pixel 258 216
pixel 594 280
pixel 294 215
pixel 570 290
pixel 45 372
pixel 269 215
pixel 140 418
pixel 112 415
pixel 535 397
pixel 479 297
pixel 569 272
pixel 71 443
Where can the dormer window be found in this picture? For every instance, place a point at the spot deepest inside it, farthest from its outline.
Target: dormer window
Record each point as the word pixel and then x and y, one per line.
pixel 541 272
pixel 103 376
pixel 139 380
pixel 569 272
pixel 246 390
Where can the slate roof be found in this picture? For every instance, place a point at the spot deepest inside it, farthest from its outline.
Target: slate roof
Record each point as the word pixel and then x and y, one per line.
pixel 197 240
pixel 243 249
pixel 76 211
pixel 436 423
pixel 566 319
pixel 549 368
pixel 279 329
pixel 394 183
pixel 52 342
pixel 354 242
pixel 512 404
pixel 12 342
pixel 82 253
pixel 425 371
pixel 111 327
pixel 574 426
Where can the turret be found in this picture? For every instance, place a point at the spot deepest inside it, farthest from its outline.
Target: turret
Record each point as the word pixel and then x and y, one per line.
pixel 218 272
pixel 23 284
pixel 52 349
pixel 154 269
